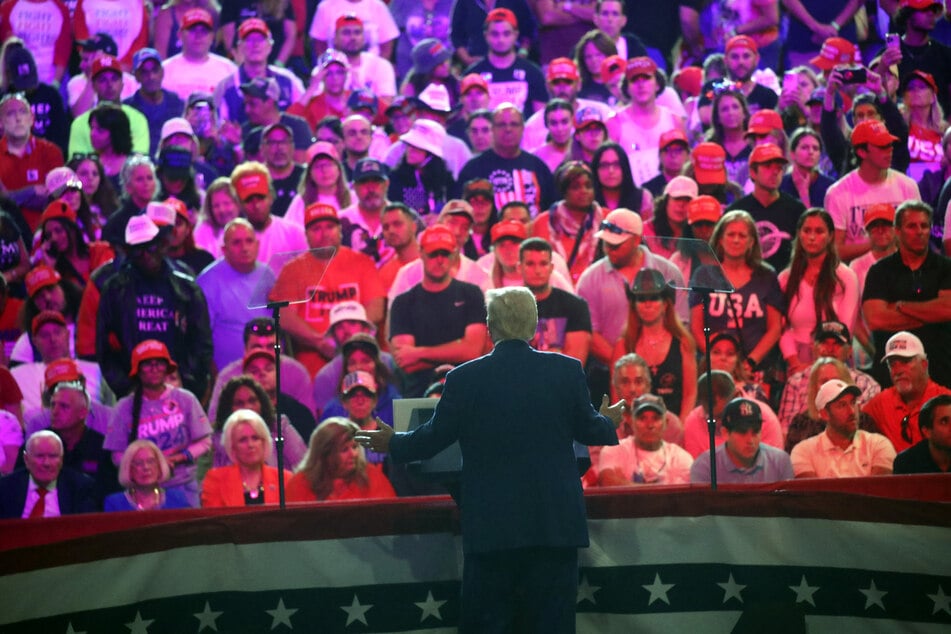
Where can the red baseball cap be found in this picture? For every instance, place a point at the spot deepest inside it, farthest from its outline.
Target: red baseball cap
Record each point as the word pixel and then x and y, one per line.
pixel 508 229
pixel 197 16
pixel 834 51
pixel 105 63
pixel 689 80
pixel 674 135
pixel 437 238
pixel 253 25
pixel 473 80
pixel 709 163
pixel 39 278
pixel 766 153
pixel 347 18
pixel 320 211
pixel 60 371
pixel 879 211
pixel 740 41
pixel 612 67
pixel 704 209
pixel 501 15
pixel 872 132
pixel 562 68
pixel 640 66
pixel 764 121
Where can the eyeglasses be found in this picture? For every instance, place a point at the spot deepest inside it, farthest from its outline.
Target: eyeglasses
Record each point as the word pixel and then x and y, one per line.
pixel 610 227
pixel 609 165
pixel 148 462
pixel 906 428
pixel 264 328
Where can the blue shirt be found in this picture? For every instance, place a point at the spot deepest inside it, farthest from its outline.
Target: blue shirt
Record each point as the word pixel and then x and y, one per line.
pixel 771 465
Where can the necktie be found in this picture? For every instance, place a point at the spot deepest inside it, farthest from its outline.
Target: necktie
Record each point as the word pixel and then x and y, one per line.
pixel 40 506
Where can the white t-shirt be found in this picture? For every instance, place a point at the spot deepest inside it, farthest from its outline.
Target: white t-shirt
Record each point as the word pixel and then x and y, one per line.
pixel 668 465
pixel 642 144
pixel 849 197
pixel 373 73
pixel 378 23
pixel 183 77
pixel 280 243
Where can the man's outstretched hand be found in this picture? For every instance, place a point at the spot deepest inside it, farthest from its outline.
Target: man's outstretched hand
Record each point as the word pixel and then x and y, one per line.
pixel 377 440
pixel 614 412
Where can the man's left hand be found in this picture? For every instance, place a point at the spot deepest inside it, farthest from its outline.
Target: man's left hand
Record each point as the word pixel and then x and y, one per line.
pixel 377 440
pixel 614 412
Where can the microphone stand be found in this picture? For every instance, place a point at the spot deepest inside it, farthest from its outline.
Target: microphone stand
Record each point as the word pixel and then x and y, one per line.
pixel 279 428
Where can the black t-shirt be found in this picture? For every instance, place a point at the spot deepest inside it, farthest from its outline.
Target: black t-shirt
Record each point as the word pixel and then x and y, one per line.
pixel 776 225
pixel 890 280
pixel 558 314
pixel 285 189
pixel 525 178
pixel 434 319
pixel 657 23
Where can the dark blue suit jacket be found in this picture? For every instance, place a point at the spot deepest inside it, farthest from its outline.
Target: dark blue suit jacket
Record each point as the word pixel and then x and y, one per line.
pixel 74 490
pixel 515 413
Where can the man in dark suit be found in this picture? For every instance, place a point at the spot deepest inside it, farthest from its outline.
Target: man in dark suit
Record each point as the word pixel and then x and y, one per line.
pixel 515 413
pixel 45 488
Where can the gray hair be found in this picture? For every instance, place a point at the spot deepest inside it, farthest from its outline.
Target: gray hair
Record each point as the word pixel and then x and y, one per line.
pixel 511 313
pixel 130 164
pixel 251 418
pixel 75 386
pixel 631 358
pixel 39 435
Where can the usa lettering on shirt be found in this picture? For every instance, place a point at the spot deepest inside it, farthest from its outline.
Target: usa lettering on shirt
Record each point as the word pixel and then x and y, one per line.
pixel 736 314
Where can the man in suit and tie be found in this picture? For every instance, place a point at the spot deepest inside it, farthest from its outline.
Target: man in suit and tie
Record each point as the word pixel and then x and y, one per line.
pixel 45 488
pixel 515 413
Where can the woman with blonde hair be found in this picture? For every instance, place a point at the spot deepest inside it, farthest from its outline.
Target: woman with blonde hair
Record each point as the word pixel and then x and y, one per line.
pixel 324 181
pixel 221 206
pixel 335 468
pixel 248 480
pixel 808 423
pixel 142 471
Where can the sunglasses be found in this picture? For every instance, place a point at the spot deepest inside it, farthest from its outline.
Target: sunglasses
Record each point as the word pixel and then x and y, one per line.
pixel 906 428
pixel 610 227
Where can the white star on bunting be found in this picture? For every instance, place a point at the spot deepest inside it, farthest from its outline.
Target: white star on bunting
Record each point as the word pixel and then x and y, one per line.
pixel 206 618
pixel 732 589
pixel 430 607
pixel 355 611
pixel 281 615
pixel 804 592
pixel 658 590
pixel 873 596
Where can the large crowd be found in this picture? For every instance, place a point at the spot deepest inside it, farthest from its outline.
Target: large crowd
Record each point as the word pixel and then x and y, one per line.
pixel 743 198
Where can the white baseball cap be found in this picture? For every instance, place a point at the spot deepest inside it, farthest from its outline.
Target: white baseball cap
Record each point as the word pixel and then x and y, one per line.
pixel 833 389
pixel 904 344
pixel 620 225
